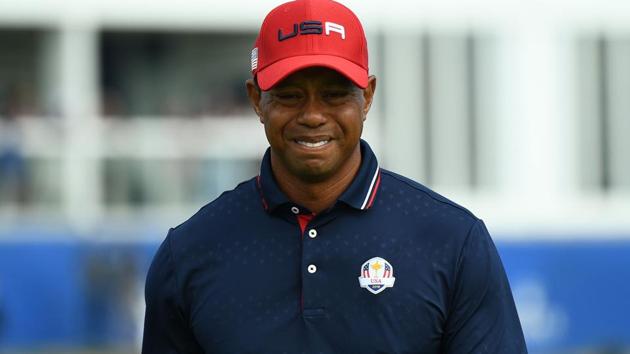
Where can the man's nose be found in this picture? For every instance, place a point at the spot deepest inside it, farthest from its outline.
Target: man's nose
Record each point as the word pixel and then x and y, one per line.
pixel 313 113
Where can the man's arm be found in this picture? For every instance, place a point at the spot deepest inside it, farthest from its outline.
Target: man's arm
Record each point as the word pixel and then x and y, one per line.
pixel 482 316
pixel 166 329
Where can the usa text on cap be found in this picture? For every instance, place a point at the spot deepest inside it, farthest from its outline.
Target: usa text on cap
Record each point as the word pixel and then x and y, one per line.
pixel 306 33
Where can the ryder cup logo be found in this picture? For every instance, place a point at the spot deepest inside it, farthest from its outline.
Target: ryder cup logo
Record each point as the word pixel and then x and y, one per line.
pixel 377 275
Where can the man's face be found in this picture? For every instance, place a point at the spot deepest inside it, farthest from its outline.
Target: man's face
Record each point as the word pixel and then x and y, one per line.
pixel 313 121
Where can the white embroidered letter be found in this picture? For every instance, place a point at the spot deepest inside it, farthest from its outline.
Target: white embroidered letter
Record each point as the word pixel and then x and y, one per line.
pixel 333 27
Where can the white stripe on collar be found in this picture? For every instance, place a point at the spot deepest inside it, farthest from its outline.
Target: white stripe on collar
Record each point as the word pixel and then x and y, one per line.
pixel 367 197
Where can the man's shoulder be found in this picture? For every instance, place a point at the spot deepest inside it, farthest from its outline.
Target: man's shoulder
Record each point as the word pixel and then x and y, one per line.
pixel 226 209
pixel 419 196
pixel 434 217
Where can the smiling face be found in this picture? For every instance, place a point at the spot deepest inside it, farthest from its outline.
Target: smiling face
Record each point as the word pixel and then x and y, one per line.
pixel 313 121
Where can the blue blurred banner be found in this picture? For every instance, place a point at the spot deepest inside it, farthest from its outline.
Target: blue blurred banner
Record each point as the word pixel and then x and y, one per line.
pixel 570 295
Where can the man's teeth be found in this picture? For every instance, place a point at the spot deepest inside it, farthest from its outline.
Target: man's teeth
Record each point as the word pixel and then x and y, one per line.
pixel 317 144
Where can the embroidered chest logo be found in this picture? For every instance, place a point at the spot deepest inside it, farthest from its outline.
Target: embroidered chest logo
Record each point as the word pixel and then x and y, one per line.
pixel 376 275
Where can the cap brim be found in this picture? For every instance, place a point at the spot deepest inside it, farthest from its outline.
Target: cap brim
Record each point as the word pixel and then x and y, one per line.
pixel 276 72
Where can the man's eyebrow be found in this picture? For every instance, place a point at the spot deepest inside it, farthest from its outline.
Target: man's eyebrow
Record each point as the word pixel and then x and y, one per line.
pixel 344 86
pixel 284 85
pixel 341 82
pixel 332 82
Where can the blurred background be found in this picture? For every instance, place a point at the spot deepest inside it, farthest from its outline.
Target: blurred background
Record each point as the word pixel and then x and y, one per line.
pixel 119 119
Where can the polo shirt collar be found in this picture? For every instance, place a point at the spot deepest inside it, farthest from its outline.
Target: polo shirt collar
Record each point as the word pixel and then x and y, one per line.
pixel 362 191
pixel 269 190
pixel 359 195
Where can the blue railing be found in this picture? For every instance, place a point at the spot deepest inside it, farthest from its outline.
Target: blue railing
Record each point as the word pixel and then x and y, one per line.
pixel 569 294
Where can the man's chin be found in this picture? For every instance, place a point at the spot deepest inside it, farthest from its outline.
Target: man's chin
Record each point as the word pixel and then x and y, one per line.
pixel 313 173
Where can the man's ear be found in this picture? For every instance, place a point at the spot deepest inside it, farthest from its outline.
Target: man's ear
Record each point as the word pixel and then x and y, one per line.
pixel 368 95
pixel 254 94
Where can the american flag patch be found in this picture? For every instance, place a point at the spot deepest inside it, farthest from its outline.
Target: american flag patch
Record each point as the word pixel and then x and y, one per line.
pixel 254 58
pixel 387 272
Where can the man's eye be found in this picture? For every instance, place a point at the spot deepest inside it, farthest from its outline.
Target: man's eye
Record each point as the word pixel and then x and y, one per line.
pixel 287 96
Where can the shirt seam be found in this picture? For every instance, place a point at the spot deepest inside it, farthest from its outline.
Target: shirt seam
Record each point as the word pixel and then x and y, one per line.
pixel 453 289
pixel 178 294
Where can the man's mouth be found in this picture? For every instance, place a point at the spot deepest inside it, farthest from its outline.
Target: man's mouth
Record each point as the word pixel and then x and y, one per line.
pixel 312 144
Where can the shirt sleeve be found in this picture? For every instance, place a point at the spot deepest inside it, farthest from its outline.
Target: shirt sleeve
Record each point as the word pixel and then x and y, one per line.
pixel 166 328
pixel 482 316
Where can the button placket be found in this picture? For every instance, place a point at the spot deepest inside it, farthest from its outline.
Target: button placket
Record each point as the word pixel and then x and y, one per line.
pixel 313 279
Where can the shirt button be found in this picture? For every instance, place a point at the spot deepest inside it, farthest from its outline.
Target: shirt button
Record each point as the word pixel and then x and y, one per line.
pixel 312 268
pixel 312 233
pixel 295 210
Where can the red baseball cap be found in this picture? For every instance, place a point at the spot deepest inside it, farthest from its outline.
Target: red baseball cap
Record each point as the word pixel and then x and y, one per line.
pixel 306 33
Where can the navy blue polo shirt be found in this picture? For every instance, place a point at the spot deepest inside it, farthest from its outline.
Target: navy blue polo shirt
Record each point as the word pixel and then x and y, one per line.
pixel 391 267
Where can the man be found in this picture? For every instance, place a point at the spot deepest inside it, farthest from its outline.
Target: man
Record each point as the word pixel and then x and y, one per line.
pixel 324 252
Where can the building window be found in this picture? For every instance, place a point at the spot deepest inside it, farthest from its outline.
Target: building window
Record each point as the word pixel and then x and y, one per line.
pixel 174 74
pixel 603 109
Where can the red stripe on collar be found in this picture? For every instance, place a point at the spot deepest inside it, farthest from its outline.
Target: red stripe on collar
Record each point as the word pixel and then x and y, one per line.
pixel 262 197
pixel 378 182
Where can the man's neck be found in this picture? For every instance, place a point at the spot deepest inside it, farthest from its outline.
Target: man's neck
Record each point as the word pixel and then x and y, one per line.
pixel 321 195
